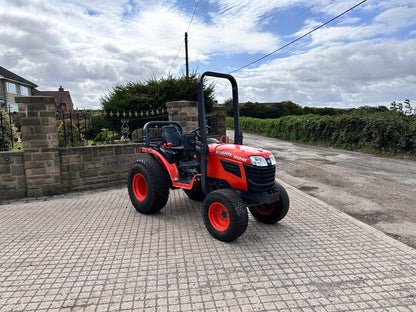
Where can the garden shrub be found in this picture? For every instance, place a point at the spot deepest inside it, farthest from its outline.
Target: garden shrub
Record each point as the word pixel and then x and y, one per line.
pixel 69 135
pixel 381 131
pixel 6 136
pixel 107 136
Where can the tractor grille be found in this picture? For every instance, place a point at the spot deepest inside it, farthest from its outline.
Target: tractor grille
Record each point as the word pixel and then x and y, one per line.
pixel 260 178
pixel 231 167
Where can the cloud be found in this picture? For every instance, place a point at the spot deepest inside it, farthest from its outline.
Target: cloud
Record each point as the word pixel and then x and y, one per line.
pixel 89 46
pixel 341 76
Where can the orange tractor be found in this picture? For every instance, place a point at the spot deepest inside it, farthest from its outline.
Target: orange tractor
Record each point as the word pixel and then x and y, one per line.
pixel 228 178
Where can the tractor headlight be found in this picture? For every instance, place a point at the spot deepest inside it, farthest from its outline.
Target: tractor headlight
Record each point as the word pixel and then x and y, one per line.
pixel 258 161
pixel 272 159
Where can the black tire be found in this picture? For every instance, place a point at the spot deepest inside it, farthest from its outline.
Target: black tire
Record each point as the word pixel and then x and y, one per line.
pixel 195 193
pixel 148 185
pixel 225 215
pixel 274 212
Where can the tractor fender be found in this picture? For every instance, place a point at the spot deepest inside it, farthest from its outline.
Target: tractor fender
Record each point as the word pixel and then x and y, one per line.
pixel 171 169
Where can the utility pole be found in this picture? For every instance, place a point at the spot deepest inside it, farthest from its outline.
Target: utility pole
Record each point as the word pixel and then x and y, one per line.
pixel 186 55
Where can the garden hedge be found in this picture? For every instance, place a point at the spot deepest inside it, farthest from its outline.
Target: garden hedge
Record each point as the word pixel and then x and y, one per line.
pixel 383 132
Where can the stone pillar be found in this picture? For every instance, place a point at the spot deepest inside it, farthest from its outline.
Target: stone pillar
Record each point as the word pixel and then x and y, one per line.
pixel 184 112
pixel 221 116
pixel 40 145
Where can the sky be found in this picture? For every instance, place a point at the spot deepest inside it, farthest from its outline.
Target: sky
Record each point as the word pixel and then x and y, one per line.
pixel 365 57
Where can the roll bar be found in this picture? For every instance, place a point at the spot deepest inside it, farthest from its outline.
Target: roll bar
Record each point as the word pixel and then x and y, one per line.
pixel 238 135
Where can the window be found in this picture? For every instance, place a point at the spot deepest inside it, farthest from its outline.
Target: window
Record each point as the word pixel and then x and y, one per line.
pixel 13 108
pixel 24 91
pixel 11 87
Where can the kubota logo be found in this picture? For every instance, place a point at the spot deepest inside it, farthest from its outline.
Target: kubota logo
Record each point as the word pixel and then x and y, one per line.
pixel 226 154
pixel 230 155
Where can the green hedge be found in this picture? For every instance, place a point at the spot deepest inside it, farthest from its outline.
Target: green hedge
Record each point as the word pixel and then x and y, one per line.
pixel 70 136
pixel 385 132
pixel 5 134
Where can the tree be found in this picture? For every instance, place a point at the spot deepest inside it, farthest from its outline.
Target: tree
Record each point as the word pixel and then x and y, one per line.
pixel 153 94
pixel 408 109
pixel 402 108
pixel 228 104
pixel 7 132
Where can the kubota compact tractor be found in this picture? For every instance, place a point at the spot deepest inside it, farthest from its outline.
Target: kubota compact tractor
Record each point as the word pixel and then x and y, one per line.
pixel 227 177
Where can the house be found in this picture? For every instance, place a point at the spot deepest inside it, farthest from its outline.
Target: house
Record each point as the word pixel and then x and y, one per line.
pixel 11 86
pixel 62 98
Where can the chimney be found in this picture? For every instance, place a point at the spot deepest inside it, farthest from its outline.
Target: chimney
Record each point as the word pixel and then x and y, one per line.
pixel 61 89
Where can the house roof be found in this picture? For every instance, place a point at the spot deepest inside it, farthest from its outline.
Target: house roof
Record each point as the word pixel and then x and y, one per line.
pixel 7 74
pixel 60 96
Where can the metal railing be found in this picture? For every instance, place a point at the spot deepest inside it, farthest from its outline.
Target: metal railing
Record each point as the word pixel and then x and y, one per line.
pixel 79 128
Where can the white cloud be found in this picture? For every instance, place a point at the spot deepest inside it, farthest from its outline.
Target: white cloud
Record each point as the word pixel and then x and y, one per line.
pixel 355 74
pixel 89 46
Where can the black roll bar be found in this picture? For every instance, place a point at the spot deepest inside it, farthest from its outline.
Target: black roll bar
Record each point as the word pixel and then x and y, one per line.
pixel 238 135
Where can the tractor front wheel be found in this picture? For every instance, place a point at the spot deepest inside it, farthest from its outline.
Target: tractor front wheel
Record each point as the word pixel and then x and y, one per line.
pixel 274 212
pixel 147 185
pixel 225 215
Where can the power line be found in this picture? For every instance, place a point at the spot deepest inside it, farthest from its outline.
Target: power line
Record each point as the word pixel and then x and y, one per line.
pixel 193 14
pixel 297 39
pixel 183 41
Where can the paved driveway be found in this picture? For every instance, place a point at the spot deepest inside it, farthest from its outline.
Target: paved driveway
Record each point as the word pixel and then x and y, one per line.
pixel 94 252
pixel 376 190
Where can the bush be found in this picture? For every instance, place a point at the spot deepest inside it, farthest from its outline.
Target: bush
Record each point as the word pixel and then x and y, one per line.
pixel 6 134
pixel 69 135
pixel 382 131
pixel 153 94
pixel 107 136
pixel 137 135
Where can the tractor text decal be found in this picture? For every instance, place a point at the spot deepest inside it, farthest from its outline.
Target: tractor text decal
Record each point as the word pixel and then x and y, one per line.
pixel 240 158
pixel 228 154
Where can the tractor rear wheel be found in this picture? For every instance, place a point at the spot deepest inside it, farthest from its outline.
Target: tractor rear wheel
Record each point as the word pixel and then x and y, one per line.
pixel 274 212
pixel 225 215
pixel 147 185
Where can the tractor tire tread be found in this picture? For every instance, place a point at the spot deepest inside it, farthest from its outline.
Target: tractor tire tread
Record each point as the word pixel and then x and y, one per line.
pixel 157 184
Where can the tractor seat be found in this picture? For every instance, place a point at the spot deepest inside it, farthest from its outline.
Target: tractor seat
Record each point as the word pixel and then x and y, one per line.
pixel 170 134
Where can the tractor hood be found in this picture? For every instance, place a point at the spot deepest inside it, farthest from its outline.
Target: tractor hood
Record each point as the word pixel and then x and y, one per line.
pixel 237 152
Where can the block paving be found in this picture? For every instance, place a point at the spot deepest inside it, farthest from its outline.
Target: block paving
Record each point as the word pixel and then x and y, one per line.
pixel 93 252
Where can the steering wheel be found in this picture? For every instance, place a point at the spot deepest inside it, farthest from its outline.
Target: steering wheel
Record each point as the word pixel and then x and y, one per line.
pixel 197 131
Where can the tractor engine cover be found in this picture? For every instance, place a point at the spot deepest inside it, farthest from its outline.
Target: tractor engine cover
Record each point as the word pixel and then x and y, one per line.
pixel 232 163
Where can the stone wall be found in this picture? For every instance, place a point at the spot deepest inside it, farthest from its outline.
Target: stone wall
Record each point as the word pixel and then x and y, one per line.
pixel 186 113
pixel 12 175
pixel 44 169
pixel 84 168
pixel 219 127
pixel 40 145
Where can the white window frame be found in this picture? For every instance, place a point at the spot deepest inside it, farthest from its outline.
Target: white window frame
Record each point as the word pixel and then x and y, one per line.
pixel 11 87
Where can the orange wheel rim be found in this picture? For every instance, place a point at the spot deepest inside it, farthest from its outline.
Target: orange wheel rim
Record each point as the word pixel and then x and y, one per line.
pixel 139 187
pixel 218 216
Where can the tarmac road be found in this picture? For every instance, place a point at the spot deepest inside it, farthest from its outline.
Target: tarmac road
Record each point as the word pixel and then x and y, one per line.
pixel 378 191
